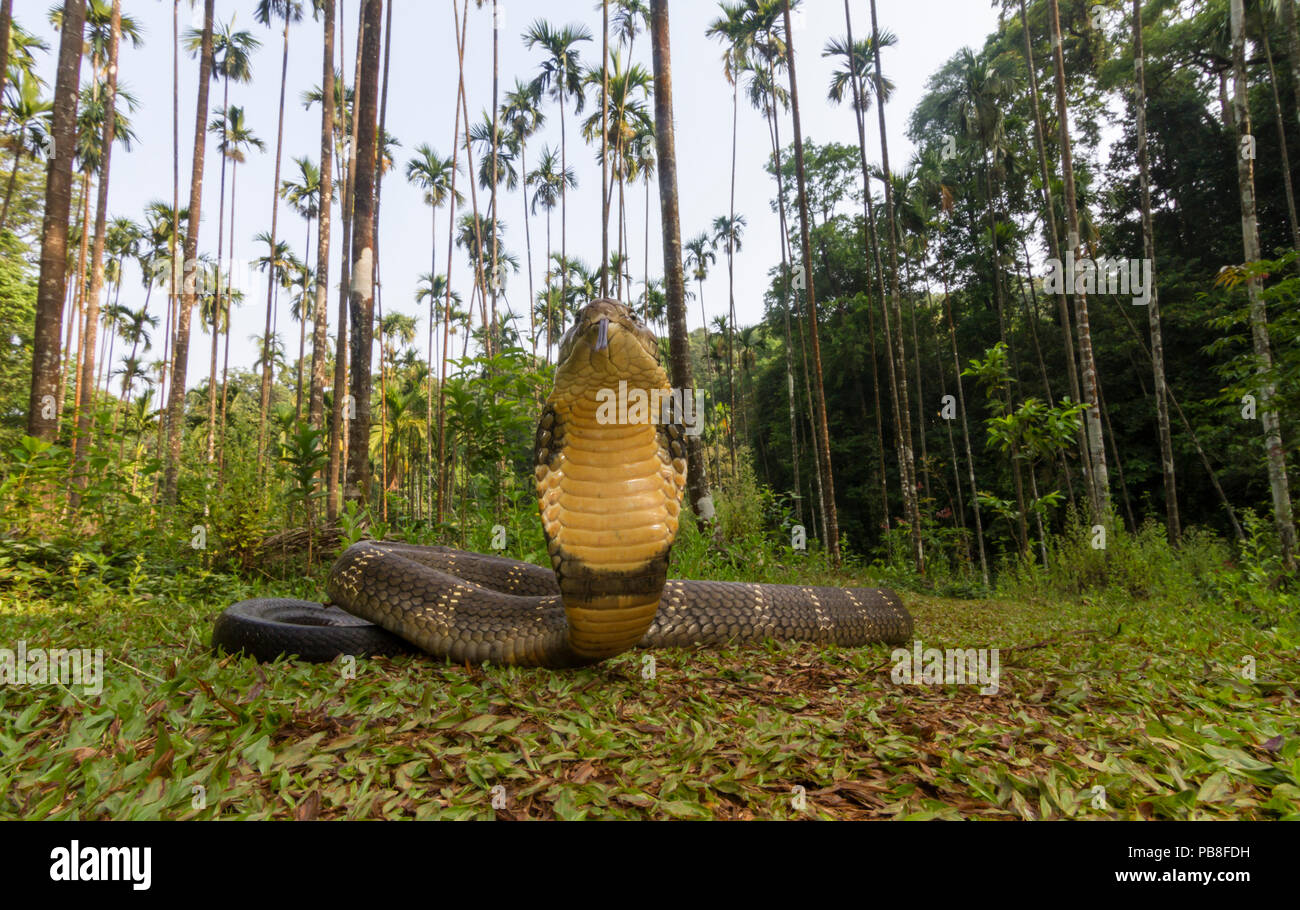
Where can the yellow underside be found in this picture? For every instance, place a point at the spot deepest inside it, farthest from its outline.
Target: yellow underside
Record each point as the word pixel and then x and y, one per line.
pixel 611 501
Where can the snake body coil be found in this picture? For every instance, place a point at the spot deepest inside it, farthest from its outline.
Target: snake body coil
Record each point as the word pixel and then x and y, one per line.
pixel 610 473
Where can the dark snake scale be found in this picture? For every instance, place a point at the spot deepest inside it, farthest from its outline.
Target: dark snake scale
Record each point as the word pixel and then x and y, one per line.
pixel 609 493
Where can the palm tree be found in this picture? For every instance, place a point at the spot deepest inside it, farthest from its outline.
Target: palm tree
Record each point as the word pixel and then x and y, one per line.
pixel 320 311
pixel 98 115
pixel 549 182
pixel 851 80
pixel 231 60
pixel 361 298
pixel 6 27
pixel 266 12
pixel 123 240
pixel 1275 454
pixel 28 112
pixel 622 118
pixel 523 117
pixel 1098 480
pixel 730 230
pixel 86 384
pixel 180 347
pixel 823 436
pixel 975 104
pixel 435 175
pixel 902 416
pixel 432 288
pixel 700 255
pixel 641 166
pixel 561 74
pixel 303 196
pixel 235 137
pixel 134 328
pixel 697 479
pixel 42 418
pixel 1173 528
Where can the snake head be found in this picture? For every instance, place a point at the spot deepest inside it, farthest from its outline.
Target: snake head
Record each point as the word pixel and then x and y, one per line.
pixel 611 328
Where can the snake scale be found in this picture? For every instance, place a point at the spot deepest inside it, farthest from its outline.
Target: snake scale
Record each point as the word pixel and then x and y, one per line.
pixel 610 473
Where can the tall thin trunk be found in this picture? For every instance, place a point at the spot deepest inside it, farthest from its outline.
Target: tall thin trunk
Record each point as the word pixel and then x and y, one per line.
pixel 731 270
pixel 1099 487
pixel 697 479
pixel 6 26
pixel 1268 416
pixel 872 245
pixel 181 346
pixel 775 132
pixel 819 421
pixel 77 315
pixel 451 227
pixel 225 357
pixel 265 407
pixel 320 308
pixel 51 287
pixel 1149 251
pixel 965 435
pixel 338 468
pixel 87 384
pixel 902 416
pixel 1053 239
pixel 379 288
pixel 496 140
pixel 217 300
pixel 302 329
pixel 173 300
pixel 362 291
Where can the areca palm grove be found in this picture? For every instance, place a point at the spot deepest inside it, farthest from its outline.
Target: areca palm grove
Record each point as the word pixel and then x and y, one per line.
pixel 940 344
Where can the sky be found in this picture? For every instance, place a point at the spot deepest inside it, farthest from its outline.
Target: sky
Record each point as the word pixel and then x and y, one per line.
pixel 421 95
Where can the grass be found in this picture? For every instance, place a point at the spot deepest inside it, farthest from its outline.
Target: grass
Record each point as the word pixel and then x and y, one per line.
pixel 1146 700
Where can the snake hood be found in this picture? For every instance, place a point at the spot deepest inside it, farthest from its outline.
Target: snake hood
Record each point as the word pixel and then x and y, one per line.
pixel 609 488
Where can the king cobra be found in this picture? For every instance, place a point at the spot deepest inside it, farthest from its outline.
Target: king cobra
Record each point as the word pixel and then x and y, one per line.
pixel 610 456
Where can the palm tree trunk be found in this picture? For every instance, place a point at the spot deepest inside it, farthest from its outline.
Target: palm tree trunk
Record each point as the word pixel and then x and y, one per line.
pixel 1099 486
pixel 697 478
pixel 265 406
pixel 172 298
pixel 774 131
pixel 819 420
pixel 87 384
pixel 181 347
pixel 451 228
pixel 338 467
pixel 1268 415
pixel 1173 527
pixel 42 414
pixel 77 315
pixel 302 328
pixel 225 360
pixel 902 416
pixel 216 311
pixel 362 293
pixel 6 24
pixel 320 308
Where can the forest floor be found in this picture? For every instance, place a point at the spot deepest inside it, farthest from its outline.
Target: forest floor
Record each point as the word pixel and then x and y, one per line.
pixel 1102 710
